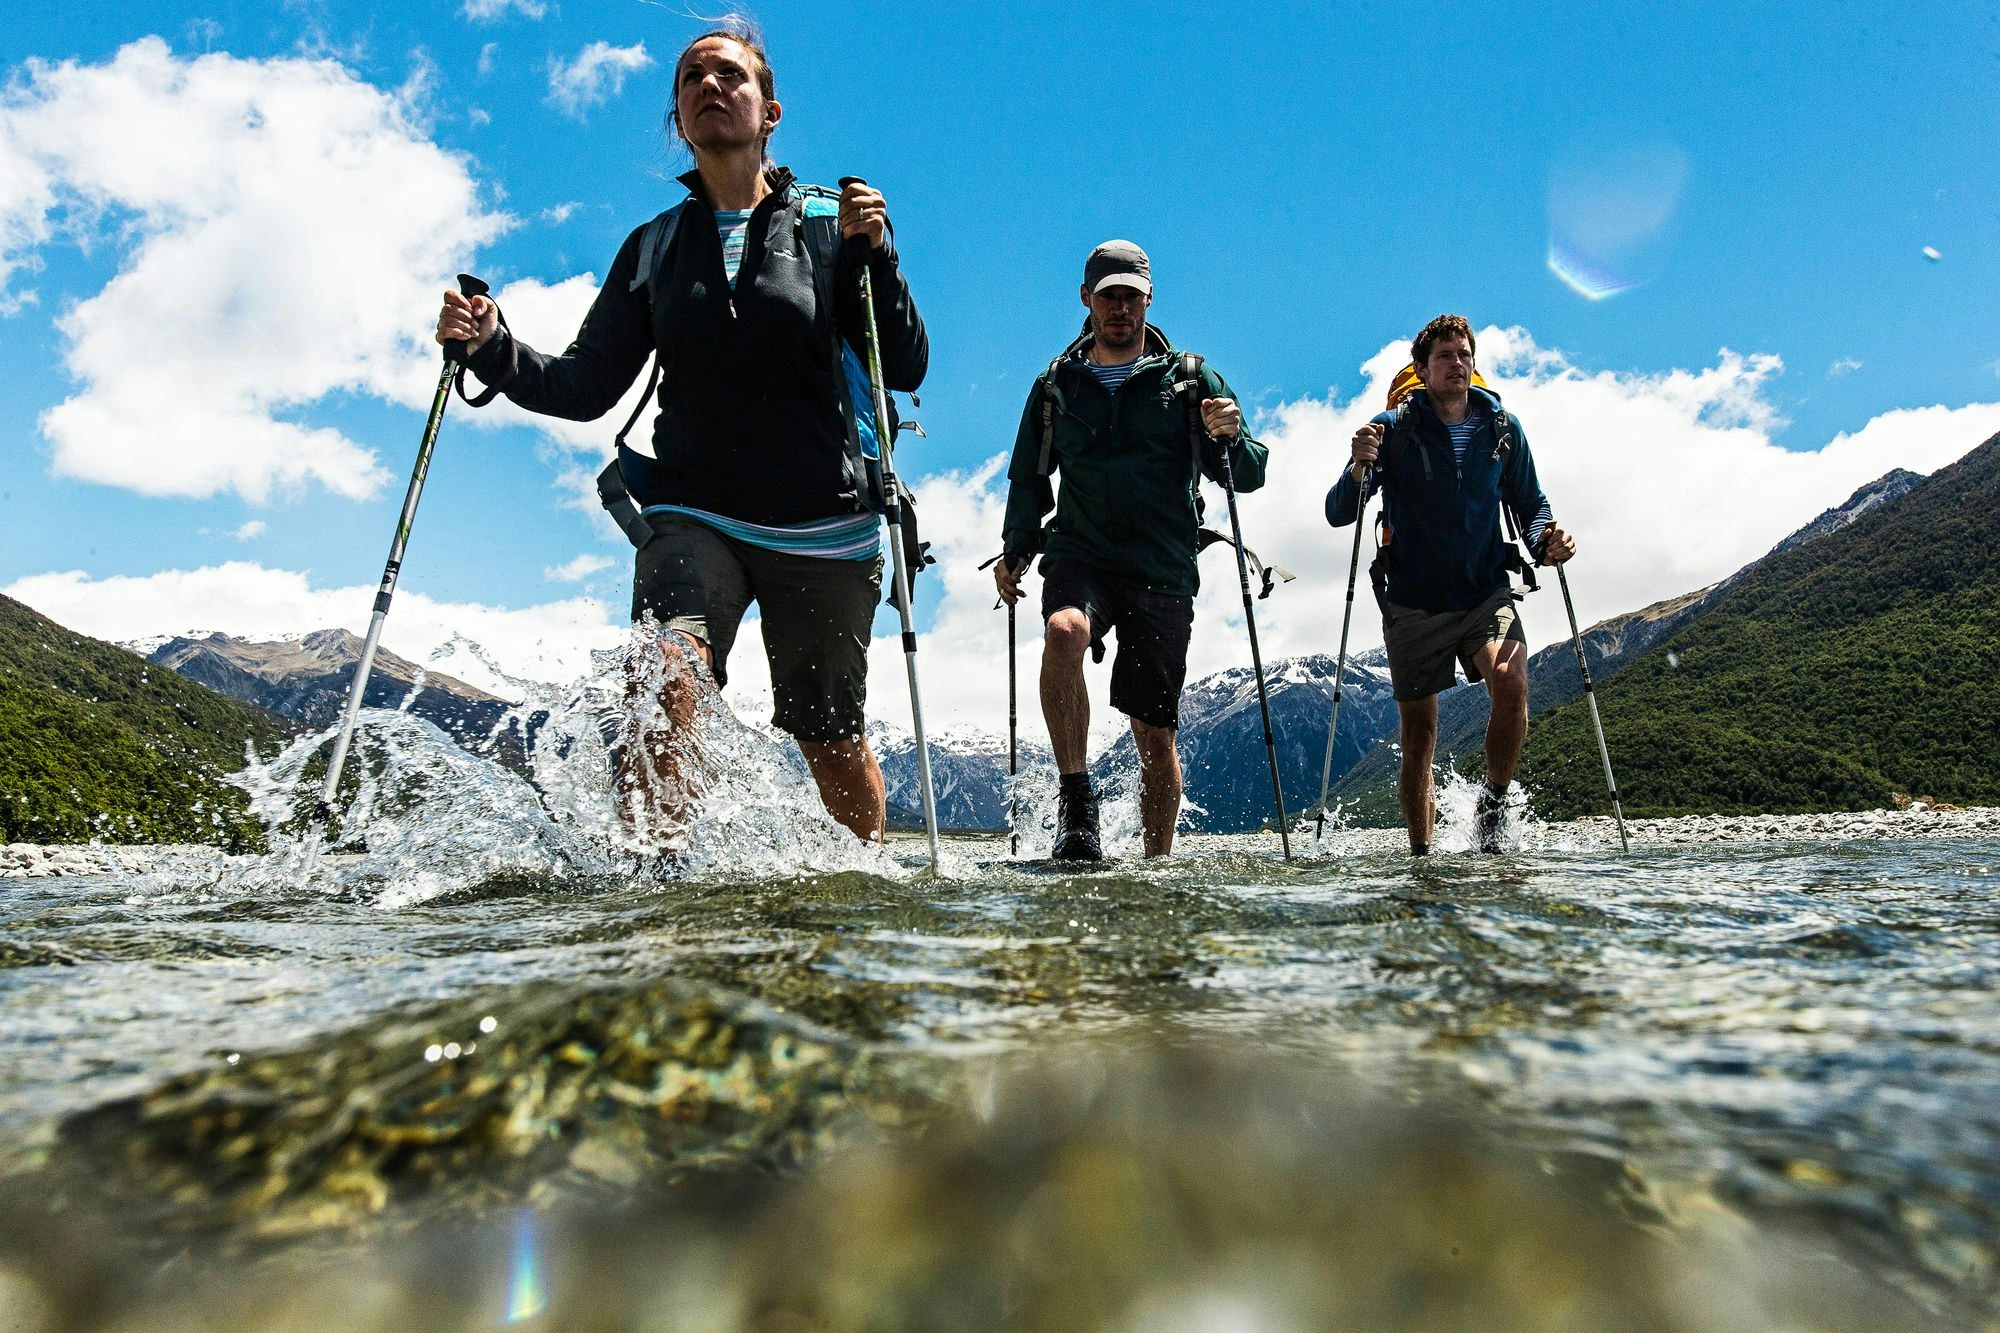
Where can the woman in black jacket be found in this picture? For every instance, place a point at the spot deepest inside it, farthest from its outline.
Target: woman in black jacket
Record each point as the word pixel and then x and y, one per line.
pixel 759 487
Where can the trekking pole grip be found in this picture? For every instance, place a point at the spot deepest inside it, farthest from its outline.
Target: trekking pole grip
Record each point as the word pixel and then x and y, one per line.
pixel 855 246
pixel 468 287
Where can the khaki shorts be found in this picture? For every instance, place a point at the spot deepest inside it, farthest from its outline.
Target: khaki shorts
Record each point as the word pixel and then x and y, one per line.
pixel 1423 645
pixel 818 615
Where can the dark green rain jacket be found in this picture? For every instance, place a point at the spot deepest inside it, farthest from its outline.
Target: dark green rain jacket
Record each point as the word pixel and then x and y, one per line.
pixel 1127 504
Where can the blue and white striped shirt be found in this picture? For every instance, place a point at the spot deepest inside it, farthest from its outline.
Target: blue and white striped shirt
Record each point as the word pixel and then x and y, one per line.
pixel 1111 377
pixel 734 224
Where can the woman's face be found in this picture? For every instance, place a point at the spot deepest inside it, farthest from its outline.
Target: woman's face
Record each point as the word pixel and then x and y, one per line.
pixel 717 99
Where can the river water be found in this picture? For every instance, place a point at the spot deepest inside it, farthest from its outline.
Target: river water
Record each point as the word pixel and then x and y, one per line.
pixel 473 1066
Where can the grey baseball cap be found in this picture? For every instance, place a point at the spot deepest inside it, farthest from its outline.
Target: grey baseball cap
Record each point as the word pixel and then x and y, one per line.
pixel 1118 264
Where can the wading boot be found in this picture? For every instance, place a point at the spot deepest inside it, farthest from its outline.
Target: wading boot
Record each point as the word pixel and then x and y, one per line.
pixel 1076 822
pixel 1486 818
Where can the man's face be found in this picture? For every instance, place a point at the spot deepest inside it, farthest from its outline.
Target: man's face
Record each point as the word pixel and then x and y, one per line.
pixel 1118 314
pixel 1448 370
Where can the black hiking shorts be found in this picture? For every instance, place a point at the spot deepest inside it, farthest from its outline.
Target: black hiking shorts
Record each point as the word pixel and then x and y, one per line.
pixel 817 613
pixel 1153 631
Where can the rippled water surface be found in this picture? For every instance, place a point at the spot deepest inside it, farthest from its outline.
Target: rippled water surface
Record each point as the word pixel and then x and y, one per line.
pixel 1800 1033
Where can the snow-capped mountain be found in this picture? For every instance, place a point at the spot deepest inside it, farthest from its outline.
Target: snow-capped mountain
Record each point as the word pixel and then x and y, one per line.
pixel 968 774
pixel 1223 766
pixel 307 680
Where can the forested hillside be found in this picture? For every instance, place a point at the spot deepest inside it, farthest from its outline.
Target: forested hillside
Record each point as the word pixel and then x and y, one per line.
pixel 97 743
pixel 1831 678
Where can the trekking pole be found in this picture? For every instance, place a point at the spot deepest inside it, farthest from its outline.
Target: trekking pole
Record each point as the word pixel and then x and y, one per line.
pixel 1340 669
pixel 1013 747
pixel 1256 656
pixel 893 513
pixel 1590 693
pixel 454 359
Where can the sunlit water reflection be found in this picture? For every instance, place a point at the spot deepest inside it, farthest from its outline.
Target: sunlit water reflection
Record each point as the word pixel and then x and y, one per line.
pixel 1792 1030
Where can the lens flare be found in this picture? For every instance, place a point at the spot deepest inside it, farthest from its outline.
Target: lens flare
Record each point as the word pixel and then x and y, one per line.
pixel 1611 209
pixel 527 1294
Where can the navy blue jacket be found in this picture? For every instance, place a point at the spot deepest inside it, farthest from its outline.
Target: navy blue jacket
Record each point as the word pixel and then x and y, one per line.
pixel 1446 551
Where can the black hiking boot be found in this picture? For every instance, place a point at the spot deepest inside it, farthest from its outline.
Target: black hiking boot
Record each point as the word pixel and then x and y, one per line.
pixel 1486 818
pixel 1076 823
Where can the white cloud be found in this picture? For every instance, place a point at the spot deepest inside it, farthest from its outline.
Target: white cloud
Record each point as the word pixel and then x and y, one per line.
pixel 1847 365
pixel 252 530
pixel 285 228
pixel 560 213
pixel 478 116
pixel 579 569
pixel 1669 481
pixel 551 642
pixel 489 11
pixel 594 77
pixel 489 58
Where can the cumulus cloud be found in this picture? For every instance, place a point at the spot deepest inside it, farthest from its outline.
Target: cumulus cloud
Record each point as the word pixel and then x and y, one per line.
pixel 490 11
pixel 560 213
pixel 1847 365
pixel 280 223
pixel 550 642
pixel 596 76
pixel 252 530
pixel 579 569
pixel 1670 481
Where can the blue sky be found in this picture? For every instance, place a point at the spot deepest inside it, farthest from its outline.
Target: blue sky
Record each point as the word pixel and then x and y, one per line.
pixel 214 315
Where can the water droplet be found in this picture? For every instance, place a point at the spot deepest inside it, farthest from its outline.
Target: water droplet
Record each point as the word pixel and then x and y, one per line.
pixel 433 1052
pixel 451 1050
pixel 488 1023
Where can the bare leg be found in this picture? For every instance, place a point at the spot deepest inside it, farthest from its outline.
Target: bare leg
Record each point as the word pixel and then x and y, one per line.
pixel 1504 667
pixel 1065 702
pixel 1159 785
pixel 654 785
pixel 1419 719
pixel 850 784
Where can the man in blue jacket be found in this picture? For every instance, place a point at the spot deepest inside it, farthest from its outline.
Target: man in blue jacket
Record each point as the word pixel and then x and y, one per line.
pixel 1447 460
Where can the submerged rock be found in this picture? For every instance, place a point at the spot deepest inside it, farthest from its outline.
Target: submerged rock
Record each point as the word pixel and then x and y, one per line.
pixel 552 1092
pixel 1177 1189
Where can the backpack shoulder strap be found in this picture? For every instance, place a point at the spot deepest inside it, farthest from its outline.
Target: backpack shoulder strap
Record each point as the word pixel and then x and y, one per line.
pixel 1397 439
pixel 1188 384
pixel 1052 406
pixel 654 242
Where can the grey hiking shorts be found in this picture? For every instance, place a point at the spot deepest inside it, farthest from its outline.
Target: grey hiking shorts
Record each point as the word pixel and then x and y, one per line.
pixel 817 616
pixel 1424 645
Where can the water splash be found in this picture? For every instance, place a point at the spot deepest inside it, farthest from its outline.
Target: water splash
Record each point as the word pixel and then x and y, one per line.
pixel 420 817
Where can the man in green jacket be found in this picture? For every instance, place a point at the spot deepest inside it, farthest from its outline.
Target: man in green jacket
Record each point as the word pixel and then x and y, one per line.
pixel 1112 415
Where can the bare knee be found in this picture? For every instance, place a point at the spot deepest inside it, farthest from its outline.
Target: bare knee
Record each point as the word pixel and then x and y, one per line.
pixel 1068 636
pixel 1155 745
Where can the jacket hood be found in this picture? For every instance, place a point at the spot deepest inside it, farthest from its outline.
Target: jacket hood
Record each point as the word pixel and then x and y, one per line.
pixel 1491 400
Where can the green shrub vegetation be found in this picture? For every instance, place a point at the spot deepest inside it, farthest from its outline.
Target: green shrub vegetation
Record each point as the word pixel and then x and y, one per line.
pixel 1858 666
pixel 98 744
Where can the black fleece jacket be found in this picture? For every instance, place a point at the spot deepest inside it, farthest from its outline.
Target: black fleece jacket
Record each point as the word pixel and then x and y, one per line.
pixel 750 424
